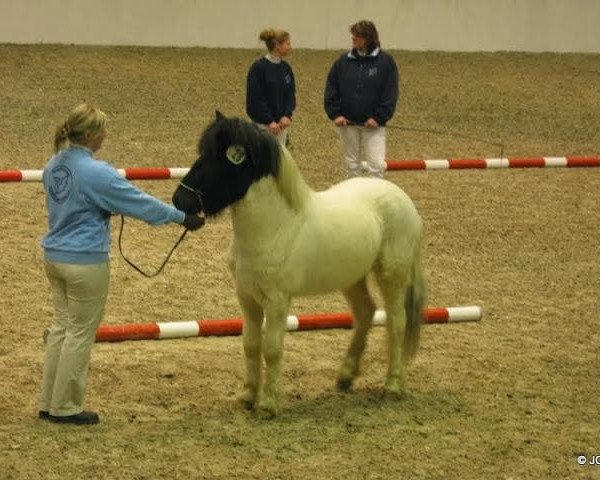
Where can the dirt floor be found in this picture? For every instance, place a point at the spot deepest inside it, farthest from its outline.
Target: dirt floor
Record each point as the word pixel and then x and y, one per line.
pixel 514 396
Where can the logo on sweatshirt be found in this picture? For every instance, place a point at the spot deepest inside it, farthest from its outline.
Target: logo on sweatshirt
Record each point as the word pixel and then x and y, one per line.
pixel 372 71
pixel 62 183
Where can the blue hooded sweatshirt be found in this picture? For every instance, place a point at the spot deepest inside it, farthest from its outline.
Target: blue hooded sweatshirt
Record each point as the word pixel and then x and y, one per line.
pixel 81 195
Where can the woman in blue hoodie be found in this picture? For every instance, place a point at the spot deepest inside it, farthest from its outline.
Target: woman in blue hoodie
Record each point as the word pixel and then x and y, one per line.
pixel 81 195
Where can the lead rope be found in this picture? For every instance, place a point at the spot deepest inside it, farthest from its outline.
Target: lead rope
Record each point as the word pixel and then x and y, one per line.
pixel 440 132
pixel 147 275
pixel 452 134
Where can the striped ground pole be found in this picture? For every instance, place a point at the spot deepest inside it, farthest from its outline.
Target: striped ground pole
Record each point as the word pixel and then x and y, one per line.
pixel 233 326
pixel 491 163
pixel 163 173
pixel 132 173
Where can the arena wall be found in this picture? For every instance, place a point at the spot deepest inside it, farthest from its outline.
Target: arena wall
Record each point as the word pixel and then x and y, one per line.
pixel 450 25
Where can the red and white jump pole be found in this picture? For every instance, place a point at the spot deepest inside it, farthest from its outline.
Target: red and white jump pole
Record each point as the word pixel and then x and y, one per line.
pixel 470 163
pixel 233 326
pixel 133 173
pixel 164 173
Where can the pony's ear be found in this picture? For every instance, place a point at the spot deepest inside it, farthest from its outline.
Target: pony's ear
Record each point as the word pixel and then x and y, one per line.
pixel 219 115
pixel 236 154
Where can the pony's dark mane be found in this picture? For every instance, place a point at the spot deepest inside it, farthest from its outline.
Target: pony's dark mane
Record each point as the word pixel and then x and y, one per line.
pixel 261 147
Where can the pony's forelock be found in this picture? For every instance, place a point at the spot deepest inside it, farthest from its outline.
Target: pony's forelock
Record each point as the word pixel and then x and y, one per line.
pixel 261 147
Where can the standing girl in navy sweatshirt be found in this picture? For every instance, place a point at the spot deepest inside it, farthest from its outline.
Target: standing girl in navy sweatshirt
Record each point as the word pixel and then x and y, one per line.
pixel 360 97
pixel 270 86
pixel 81 195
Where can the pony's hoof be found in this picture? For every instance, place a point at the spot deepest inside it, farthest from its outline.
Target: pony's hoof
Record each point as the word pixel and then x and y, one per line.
pixel 393 395
pixel 344 384
pixel 267 410
pixel 393 391
pixel 247 400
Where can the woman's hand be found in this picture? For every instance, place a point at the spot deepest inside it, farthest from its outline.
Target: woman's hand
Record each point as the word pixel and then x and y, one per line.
pixel 284 122
pixel 371 123
pixel 340 121
pixel 274 128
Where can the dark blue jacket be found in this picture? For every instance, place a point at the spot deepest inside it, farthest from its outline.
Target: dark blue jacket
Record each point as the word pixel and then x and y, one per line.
pixel 362 87
pixel 270 91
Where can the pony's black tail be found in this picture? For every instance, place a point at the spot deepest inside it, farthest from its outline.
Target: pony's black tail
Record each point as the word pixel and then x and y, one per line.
pixel 414 306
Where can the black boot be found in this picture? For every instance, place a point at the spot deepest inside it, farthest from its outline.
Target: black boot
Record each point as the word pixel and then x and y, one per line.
pixel 83 418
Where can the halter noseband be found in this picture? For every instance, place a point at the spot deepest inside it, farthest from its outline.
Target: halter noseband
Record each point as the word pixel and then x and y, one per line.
pixel 198 194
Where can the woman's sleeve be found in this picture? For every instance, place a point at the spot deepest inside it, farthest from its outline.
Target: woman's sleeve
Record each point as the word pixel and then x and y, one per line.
pixel 332 101
pixel 257 107
pixel 115 194
pixel 291 104
pixel 389 95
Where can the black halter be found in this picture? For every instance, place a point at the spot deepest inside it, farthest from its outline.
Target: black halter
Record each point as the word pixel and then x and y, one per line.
pixel 196 192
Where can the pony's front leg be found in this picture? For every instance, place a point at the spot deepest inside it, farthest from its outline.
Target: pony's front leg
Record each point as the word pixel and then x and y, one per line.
pixel 275 328
pixel 252 341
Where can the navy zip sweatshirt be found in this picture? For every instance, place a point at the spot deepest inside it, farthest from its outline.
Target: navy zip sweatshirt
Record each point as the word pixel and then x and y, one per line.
pixel 362 87
pixel 270 91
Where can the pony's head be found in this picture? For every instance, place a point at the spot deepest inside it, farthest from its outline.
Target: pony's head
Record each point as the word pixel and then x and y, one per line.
pixel 233 154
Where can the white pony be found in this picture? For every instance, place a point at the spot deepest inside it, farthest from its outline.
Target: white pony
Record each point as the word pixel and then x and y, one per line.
pixel 291 241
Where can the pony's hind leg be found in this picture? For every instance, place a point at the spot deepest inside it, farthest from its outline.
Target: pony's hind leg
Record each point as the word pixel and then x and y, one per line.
pixel 363 309
pixel 252 341
pixel 393 286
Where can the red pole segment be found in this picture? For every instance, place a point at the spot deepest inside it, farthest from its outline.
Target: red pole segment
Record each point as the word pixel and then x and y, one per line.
pixel 11 176
pixel 220 328
pixel 528 162
pixel 406 165
pixel 324 321
pixel 583 161
pixel 436 315
pixel 130 331
pixel 143 173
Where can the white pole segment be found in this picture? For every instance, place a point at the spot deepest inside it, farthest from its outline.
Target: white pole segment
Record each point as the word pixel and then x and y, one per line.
pixel 437 164
pixel 178 172
pixel 555 161
pixel 178 329
pixel 32 175
pixel 292 323
pixel 379 318
pixel 496 162
pixel 464 314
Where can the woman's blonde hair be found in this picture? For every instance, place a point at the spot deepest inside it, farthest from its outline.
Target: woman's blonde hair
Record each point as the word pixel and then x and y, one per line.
pixel 83 122
pixel 273 36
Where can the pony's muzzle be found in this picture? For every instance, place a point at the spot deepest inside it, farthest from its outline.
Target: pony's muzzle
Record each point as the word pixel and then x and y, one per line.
pixel 187 199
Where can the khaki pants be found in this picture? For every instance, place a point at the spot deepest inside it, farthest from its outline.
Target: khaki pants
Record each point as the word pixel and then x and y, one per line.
pixel 362 143
pixel 79 294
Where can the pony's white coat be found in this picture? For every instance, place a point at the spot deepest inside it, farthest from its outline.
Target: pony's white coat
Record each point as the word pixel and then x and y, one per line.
pixel 291 241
